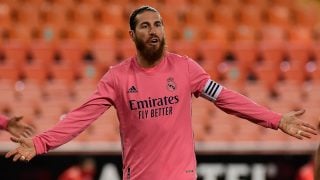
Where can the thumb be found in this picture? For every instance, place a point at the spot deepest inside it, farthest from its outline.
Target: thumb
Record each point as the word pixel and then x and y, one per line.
pixel 15 139
pixel 299 112
pixel 18 118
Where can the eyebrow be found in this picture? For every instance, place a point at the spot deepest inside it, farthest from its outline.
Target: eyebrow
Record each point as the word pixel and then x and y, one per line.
pixel 146 22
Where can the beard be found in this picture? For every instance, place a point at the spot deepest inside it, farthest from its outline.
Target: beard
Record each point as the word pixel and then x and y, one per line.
pixel 151 54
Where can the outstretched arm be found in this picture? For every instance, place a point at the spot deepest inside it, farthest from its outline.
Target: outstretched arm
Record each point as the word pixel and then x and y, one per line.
pixel 64 131
pixel 234 103
pixel 71 126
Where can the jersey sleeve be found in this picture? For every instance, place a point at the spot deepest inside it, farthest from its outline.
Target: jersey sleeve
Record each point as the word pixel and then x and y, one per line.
pixel 78 119
pixel 236 104
pixel 3 122
pixel 198 77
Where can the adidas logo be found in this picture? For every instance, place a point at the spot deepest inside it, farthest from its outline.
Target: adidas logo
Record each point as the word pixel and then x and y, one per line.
pixel 132 89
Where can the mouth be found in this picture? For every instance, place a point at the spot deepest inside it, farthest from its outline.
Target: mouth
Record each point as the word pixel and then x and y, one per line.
pixel 153 41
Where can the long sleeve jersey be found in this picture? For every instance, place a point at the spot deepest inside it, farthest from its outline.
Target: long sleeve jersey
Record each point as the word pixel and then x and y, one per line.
pixel 154 111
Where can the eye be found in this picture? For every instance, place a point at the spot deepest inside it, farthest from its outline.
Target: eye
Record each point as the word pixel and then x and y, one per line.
pixel 143 26
pixel 158 24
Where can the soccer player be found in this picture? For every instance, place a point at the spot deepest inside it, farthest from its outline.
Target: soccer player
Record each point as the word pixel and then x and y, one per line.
pixel 152 94
pixel 85 169
pixel 15 126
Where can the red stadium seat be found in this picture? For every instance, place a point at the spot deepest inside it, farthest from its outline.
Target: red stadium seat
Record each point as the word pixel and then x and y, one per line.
pixel 5 16
pixel 9 72
pixel 212 54
pixel 82 33
pixel 27 14
pixel 251 15
pixel 287 3
pixel 246 131
pixel 196 15
pixel 289 96
pixel 42 52
pixel 272 53
pixel 170 16
pixel 126 48
pixel 212 50
pixel 218 33
pixel 244 33
pixel 224 15
pixel 305 14
pixel 8 94
pixel 298 54
pixel 268 75
pixel 271 32
pixel 57 91
pixel 113 15
pixel 258 91
pixel 104 52
pixel 301 34
pixel 104 32
pixel 246 54
pixel 279 15
pixel 72 53
pixel 221 128
pixel 84 14
pixel 296 75
pixel 185 48
pixel 15 52
pixel 315 74
pixel 63 72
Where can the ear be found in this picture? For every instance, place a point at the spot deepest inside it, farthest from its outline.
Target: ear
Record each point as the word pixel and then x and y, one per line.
pixel 132 35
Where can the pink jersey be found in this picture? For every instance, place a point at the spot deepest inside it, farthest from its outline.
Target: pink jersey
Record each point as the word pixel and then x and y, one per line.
pixel 3 122
pixel 154 109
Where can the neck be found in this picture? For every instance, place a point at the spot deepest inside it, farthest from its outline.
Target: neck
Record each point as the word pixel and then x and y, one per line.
pixel 147 63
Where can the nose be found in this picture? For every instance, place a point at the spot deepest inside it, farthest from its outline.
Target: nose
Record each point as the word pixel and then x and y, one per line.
pixel 152 31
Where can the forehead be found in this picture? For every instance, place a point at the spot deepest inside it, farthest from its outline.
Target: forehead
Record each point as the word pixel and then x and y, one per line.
pixel 148 16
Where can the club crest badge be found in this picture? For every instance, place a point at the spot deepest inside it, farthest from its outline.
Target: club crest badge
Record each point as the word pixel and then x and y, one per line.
pixel 171 85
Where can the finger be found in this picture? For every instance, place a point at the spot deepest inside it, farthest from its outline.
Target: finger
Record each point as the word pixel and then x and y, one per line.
pixel 304 134
pixel 10 153
pixel 30 131
pixel 25 134
pixel 16 157
pixel 22 158
pixel 298 135
pixel 299 112
pixel 310 131
pixel 29 157
pixel 18 118
pixel 308 125
pixel 15 139
pixel 30 128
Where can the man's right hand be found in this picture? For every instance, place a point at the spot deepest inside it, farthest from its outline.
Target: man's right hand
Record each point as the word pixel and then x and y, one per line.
pixel 19 128
pixel 25 152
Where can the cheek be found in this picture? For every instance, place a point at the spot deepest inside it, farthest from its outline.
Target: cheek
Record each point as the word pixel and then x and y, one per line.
pixel 161 33
pixel 141 34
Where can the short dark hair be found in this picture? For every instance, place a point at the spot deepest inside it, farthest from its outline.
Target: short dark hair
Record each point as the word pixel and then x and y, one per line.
pixel 133 21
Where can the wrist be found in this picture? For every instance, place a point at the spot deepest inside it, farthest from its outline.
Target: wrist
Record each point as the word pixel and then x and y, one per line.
pixel 281 123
